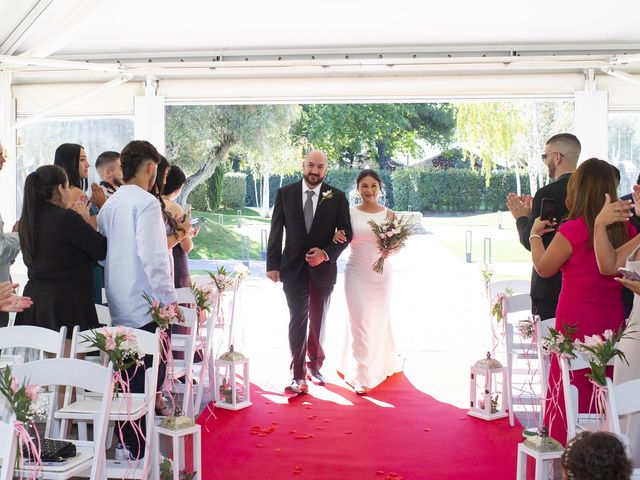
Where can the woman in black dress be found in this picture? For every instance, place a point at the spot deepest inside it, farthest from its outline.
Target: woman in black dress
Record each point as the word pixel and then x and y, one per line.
pixel 60 249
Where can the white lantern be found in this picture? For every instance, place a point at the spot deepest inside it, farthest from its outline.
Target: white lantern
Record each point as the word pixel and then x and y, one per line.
pixel 232 387
pixel 171 463
pixel 486 396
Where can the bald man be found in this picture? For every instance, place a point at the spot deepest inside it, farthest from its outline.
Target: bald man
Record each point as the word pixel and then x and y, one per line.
pixel 560 155
pixel 310 211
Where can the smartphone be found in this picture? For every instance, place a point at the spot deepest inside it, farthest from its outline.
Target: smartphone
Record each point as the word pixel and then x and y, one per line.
pixel 629 274
pixel 196 221
pixel 548 209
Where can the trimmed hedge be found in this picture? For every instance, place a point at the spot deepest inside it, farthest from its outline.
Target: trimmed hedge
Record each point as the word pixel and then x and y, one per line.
pixel 456 189
pixel 234 189
pixel 199 198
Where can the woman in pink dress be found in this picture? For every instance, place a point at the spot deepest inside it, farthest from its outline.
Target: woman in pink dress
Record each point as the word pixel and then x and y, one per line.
pixel 589 301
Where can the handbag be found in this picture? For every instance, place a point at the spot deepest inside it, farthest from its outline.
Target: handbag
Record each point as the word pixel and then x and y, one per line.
pixel 52 450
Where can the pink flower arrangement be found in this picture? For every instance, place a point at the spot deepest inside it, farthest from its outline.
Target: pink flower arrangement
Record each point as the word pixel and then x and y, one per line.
pixel 23 399
pixel 163 315
pixel 120 346
pixel 600 349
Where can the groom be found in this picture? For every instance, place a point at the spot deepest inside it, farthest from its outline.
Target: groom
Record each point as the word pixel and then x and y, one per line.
pixel 310 211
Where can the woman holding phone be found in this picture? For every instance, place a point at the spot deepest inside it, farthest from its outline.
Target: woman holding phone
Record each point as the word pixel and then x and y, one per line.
pixel 180 251
pixel 590 302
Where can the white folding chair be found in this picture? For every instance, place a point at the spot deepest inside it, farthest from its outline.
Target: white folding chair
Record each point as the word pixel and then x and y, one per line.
pixel 104 315
pixel 72 373
pixel 8 443
pixel 623 402
pixel 26 341
pixel 204 370
pixel 185 296
pixel 576 421
pixel 183 368
pixel 514 286
pixel 123 408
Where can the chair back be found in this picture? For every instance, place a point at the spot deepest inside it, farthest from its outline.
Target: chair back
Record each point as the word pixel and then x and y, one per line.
pixel 104 315
pixel 515 286
pixel 8 443
pixel 576 420
pixel 542 331
pixel 38 338
pixel 185 296
pixel 75 373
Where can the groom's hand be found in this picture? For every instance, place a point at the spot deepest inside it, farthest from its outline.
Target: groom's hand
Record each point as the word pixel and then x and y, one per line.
pixel 273 275
pixel 315 256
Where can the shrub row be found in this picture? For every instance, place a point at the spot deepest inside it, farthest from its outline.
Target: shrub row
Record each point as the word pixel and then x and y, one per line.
pixel 423 189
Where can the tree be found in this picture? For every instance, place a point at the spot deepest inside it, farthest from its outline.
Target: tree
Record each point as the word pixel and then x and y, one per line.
pixel 377 131
pixel 200 137
pixel 514 132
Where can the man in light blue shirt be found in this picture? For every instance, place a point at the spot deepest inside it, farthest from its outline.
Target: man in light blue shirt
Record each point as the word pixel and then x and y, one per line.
pixel 137 262
pixel 137 258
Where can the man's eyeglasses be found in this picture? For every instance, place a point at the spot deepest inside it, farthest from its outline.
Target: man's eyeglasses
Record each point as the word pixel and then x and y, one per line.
pixel 545 155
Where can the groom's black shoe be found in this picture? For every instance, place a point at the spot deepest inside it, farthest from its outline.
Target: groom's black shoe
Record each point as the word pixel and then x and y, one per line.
pixel 316 377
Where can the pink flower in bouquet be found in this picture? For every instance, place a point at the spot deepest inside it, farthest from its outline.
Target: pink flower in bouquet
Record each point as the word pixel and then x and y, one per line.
pixel 14 385
pixel 155 304
pixel 608 334
pixel 32 392
pixel 109 343
pixel 592 340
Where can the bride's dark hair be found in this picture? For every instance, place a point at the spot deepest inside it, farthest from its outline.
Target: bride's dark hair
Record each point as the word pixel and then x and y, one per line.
pixel 368 172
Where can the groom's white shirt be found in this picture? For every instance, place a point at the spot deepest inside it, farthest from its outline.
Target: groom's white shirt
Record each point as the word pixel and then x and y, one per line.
pixel 137 255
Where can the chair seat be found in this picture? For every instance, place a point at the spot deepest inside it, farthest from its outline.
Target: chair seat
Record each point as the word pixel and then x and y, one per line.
pixel 122 409
pixel 80 465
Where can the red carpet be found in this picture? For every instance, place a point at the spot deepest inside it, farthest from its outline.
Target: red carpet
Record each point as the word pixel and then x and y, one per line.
pixel 406 434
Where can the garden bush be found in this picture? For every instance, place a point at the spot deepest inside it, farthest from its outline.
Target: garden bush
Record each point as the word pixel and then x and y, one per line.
pixel 234 189
pixel 199 199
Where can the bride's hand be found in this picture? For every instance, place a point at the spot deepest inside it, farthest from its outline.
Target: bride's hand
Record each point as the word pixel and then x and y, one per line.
pixel 339 236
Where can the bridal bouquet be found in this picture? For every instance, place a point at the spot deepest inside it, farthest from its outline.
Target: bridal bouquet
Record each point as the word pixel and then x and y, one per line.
pixel 391 237
pixel 163 315
pixel 599 350
pixel 120 346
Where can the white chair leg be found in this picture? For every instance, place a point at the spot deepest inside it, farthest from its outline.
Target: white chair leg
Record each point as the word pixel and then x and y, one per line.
pixel 521 469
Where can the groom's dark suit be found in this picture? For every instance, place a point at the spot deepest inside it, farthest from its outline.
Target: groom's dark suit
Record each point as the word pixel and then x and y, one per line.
pixel 308 289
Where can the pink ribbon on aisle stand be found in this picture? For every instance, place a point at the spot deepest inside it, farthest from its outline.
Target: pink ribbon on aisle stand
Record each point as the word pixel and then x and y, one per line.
pixel 33 450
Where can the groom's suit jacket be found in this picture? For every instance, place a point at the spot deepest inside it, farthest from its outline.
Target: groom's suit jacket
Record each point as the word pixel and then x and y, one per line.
pixel 331 214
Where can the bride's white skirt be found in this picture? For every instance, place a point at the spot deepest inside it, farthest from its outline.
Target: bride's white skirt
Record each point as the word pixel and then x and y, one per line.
pixel 370 354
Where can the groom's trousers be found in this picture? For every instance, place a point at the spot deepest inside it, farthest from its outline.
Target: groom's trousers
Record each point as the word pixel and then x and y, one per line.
pixel 308 306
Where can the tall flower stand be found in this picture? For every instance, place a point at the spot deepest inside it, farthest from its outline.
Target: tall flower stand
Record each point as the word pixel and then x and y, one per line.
pixel 485 401
pixel 176 457
pixel 232 387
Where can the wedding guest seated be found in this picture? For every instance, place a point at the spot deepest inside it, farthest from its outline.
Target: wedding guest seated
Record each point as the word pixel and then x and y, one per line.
pixel 595 456
pixel 60 249
pixel 109 168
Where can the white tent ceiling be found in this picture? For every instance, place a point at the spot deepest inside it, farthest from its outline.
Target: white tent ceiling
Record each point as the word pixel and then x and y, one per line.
pixel 258 39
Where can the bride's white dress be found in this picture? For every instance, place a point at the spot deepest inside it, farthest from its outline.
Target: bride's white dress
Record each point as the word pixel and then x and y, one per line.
pixel 370 351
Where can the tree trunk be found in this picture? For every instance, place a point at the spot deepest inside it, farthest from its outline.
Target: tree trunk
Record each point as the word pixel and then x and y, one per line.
pixel 205 171
pixel 265 195
pixel 518 186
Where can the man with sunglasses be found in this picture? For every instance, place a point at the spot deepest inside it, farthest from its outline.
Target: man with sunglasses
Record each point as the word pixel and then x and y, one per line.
pixel 560 155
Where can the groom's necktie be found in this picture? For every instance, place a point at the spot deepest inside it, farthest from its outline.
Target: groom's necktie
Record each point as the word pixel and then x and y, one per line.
pixel 308 210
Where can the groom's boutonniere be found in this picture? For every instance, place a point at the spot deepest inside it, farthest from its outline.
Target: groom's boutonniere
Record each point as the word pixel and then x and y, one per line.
pixel 328 195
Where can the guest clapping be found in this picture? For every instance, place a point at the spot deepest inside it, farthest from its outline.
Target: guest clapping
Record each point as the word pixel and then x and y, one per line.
pixel 9 301
pixel 60 249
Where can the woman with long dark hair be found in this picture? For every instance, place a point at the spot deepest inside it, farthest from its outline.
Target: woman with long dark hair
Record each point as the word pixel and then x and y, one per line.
pixel 60 249
pixel 172 189
pixel 370 356
pixel 589 301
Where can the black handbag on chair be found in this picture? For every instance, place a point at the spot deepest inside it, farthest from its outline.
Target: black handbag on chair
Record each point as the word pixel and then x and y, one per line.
pixel 52 450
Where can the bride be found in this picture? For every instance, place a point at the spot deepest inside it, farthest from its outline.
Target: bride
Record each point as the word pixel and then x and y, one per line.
pixel 373 354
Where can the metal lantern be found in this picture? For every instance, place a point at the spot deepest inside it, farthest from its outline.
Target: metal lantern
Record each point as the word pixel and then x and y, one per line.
pixel 486 399
pixel 232 387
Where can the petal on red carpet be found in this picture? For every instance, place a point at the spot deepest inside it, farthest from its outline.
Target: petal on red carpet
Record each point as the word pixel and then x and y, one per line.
pixel 396 432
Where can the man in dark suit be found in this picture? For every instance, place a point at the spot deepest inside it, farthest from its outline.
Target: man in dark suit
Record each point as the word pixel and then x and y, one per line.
pixel 310 211
pixel 561 158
